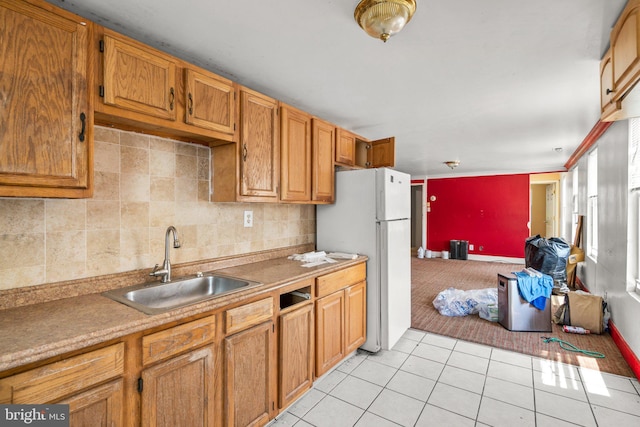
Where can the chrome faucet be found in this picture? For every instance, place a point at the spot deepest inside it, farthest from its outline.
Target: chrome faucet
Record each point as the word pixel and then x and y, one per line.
pixel 165 272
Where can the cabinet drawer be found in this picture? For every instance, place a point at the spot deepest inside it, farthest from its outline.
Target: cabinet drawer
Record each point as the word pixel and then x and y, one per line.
pixel 340 279
pixel 248 315
pixel 51 382
pixel 164 344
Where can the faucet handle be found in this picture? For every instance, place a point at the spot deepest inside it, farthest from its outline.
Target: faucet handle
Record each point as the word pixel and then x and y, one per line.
pixel 153 273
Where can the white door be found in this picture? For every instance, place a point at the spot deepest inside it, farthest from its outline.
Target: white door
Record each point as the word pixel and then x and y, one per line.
pixel 550 213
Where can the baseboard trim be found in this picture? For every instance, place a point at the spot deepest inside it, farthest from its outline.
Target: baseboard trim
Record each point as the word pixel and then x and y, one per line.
pixel 491 258
pixel 488 258
pixel 625 350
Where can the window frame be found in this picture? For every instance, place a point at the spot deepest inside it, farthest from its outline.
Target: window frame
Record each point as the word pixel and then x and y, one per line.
pixel 592 204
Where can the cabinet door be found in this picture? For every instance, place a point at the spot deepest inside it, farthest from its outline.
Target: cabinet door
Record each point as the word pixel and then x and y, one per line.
pixel 355 316
pixel 45 120
pixel 210 101
pixel 625 48
pixel 381 153
pixel 100 406
pixel 139 79
pixel 607 89
pixel 345 148
pixel 179 392
pixel 259 149
pixel 249 378
pixel 295 375
pixel 323 141
pixel 329 331
pixel 295 155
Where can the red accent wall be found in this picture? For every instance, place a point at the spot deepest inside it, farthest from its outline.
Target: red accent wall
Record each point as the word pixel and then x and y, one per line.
pixel 488 211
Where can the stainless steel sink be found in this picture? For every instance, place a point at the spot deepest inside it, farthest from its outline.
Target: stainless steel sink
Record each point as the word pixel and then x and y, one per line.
pixel 153 298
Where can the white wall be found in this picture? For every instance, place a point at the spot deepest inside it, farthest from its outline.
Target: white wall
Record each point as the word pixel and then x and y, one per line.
pixel 607 276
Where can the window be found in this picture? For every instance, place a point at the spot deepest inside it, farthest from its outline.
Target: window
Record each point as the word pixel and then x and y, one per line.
pixel 633 249
pixel 592 204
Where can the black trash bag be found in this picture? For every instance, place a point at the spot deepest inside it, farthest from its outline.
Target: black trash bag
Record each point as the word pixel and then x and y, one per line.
pixel 548 256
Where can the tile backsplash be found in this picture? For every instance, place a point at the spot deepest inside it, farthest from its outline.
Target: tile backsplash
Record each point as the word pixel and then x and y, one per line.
pixel 143 184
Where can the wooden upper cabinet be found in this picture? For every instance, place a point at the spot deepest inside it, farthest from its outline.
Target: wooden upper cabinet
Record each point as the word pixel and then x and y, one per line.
pixel 210 101
pixel 138 78
pixel 295 155
pixel 625 49
pixel 345 148
pixel 375 154
pixel 382 153
pixel 143 89
pixel 46 122
pixel 609 108
pixel 323 141
pixel 259 148
pixel 249 171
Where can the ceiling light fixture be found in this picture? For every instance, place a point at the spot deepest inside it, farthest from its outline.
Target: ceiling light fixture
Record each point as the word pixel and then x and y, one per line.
pixel 452 163
pixel 383 18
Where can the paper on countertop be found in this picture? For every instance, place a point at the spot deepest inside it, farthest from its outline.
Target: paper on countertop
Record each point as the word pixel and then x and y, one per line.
pixel 342 255
pixel 312 259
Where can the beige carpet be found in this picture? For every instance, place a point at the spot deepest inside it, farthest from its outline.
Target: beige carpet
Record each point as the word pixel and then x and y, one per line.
pixel 430 276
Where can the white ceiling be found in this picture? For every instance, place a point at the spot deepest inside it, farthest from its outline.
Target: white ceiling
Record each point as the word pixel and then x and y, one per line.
pixel 496 84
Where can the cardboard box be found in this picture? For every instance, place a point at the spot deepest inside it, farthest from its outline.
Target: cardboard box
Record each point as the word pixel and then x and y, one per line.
pixel 576 255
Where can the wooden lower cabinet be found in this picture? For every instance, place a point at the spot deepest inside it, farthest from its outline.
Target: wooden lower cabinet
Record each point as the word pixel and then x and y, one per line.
pixel 249 379
pixel 340 315
pixel 355 328
pixel 295 373
pixel 189 375
pixel 100 406
pixel 180 391
pixel 329 331
pixel 91 383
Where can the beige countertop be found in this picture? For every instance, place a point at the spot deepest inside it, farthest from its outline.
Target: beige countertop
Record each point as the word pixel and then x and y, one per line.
pixel 36 332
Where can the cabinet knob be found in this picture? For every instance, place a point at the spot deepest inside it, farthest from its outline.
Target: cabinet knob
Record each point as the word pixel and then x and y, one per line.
pixel 244 152
pixel 83 118
pixel 190 105
pixel 609 91
pixel 172 98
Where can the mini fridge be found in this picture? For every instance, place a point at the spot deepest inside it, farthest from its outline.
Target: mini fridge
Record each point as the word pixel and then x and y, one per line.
pixel 516 314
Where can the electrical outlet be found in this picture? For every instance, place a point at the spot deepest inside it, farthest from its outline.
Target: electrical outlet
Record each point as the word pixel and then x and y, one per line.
pixel 470 247
pixel 248 219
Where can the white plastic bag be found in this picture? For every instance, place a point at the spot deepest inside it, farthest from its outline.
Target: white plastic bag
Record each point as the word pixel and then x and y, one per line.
pixel 456 302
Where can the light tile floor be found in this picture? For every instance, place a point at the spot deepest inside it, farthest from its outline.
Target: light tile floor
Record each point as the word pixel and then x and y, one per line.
pixel 432 380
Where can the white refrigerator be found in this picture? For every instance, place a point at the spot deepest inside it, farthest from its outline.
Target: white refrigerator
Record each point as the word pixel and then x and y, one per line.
pixel 372 217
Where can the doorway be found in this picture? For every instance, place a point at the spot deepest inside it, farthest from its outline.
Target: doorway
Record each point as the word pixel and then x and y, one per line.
pixel 545 208
pixel 418 226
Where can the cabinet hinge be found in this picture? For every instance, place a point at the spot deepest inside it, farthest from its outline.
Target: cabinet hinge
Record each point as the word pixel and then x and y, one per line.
pixel 234 127
pixel 102 46
pixel 140 385
pixel 273 328
pixel 101 89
